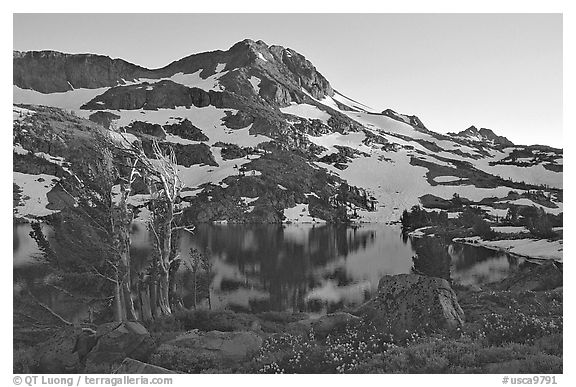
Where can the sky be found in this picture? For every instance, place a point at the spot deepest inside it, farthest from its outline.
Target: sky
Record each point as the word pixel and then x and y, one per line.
pixel 498 71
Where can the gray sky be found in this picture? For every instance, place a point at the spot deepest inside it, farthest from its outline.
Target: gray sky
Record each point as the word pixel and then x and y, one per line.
pixel 500 71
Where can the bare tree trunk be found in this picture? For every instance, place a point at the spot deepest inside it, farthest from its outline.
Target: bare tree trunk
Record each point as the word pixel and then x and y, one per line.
pixel 164 275
pixel 129 303
pixel 118 307
pixel 153 288
pixel 175 296
pixel 145 298
pixel 163 299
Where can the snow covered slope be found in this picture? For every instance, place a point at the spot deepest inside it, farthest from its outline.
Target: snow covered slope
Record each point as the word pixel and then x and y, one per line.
pixel 260 121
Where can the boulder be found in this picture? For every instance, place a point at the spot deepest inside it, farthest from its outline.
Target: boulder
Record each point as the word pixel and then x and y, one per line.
pixel 410 302
pixel 116 341
pixel 131 366
pixel 195 351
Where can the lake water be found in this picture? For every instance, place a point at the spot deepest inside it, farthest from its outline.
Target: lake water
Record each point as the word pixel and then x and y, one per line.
pixel 312 268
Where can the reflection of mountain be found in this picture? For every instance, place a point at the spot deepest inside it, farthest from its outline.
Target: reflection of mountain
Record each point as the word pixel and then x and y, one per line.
pixel 467 265
pixel 465 256
pixel 285 261
pixel 477 265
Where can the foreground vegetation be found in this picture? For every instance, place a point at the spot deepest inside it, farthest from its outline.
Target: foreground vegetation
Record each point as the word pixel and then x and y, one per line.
pixel 505 332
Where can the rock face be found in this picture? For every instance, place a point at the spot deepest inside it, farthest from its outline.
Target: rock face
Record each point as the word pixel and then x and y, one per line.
pixel 116 341
pixel 410 302
pixel 147 129
pixel 186 130
pixel 186 154
pixel 161 95
pixel 103 118
pixel 532 277
pixel 131 366
pixel 195 350
pixel 51 71
pixel 483 134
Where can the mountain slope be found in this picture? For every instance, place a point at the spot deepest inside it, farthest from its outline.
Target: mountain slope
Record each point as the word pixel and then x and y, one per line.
pixel 261 135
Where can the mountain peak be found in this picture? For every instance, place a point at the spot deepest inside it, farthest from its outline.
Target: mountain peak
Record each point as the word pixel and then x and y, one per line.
pixel 482 135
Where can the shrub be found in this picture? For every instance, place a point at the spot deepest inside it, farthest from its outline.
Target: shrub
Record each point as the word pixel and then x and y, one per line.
pixel 340 352
pixel 517 327
pixel 182 360
pixel 24 361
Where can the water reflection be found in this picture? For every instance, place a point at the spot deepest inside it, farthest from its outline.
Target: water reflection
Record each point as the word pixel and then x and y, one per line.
pixel 32 274
pixel 474 265
pixel 298 267
pixel 313 268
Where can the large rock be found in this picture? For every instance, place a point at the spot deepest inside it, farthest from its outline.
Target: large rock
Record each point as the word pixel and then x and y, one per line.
pixel 194 351
pixel 410 302
pixel 116 341
pixel 131 366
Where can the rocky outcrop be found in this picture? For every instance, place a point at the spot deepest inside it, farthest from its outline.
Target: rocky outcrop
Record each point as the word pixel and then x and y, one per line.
pixel 187 130
pixel 160 95
pixel 147 129
pixel 195 351
pixel 410 302
pixel 53 72
pixel 239 120
pixel 103 118
pixel 482 135
pixel 116 341
pixel 233 151
pixel 410 120
pixel 186 154
pixel 306 74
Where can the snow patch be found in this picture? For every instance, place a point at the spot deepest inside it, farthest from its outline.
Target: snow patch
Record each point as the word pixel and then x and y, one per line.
pixel 529 248
pixel 510 229
pixel 300 214
pixel 261 57
pixel 255 82
pixel 68 100
pixel 307 111
pixel 33 199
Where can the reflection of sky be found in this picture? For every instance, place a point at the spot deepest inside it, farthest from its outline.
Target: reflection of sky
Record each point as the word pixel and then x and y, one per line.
pixel 488 266
pixel 483 272
pixel 388 254
pixel 308 260
pixel 25 247
pixel 373 251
